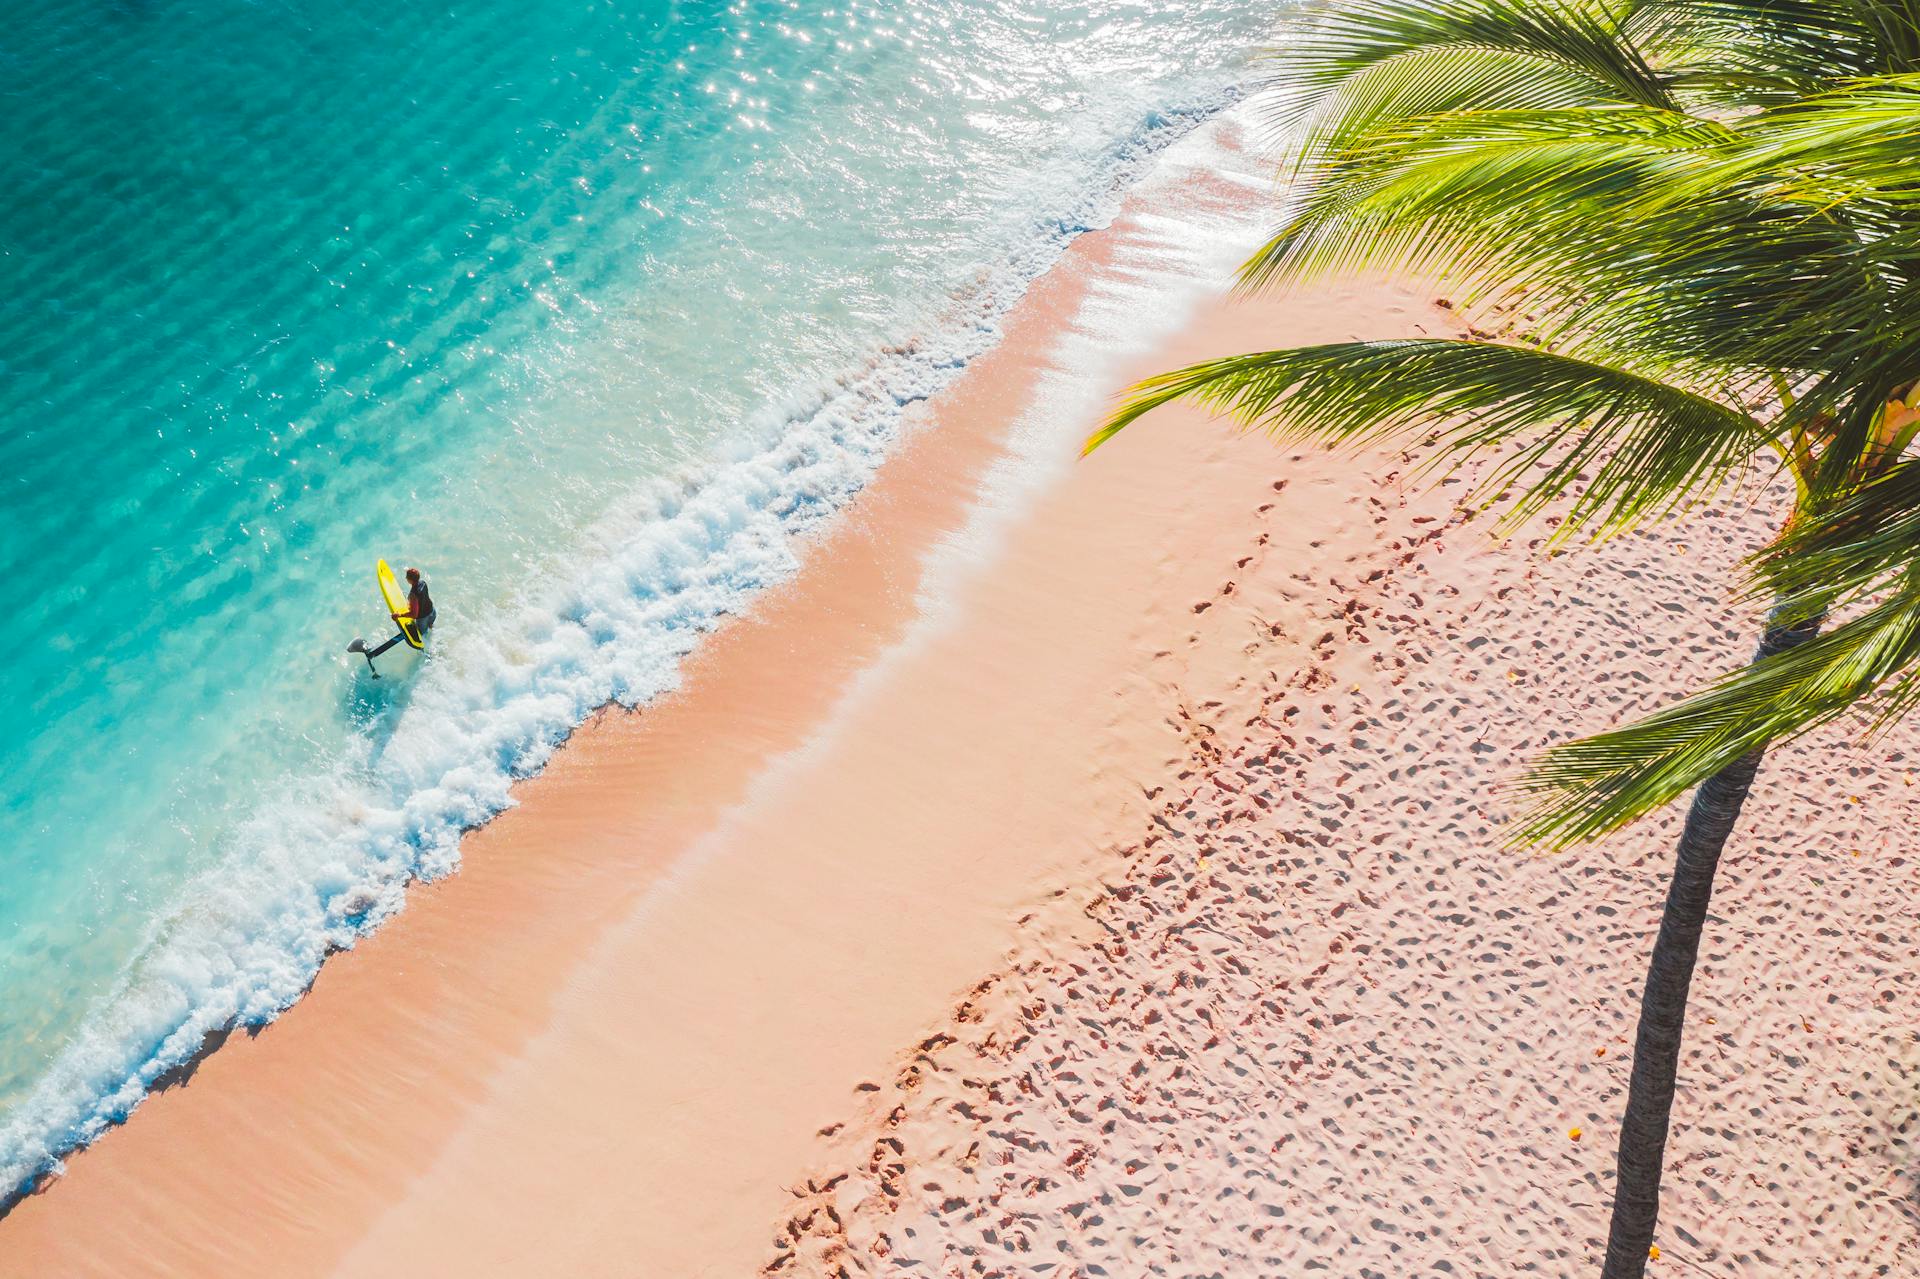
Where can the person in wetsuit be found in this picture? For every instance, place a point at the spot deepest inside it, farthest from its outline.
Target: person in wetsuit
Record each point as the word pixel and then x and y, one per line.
pixel 419 609
pixel 419 602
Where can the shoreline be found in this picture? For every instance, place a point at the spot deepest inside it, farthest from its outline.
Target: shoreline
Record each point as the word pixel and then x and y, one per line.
pixel 708 537
pixel 343 1064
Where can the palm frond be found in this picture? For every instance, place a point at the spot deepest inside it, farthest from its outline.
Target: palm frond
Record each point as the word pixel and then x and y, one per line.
pixel 1852 145
pixel 1570 40
pixel 1571 207
pixel 1424 83
pixel 1894 28
pixel 1741 53
pixel 1855 544
pixel 1673 195
pixel 1588 787
pixel 1617 445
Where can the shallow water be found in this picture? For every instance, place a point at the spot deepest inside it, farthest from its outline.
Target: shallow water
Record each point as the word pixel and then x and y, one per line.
pixel 584 308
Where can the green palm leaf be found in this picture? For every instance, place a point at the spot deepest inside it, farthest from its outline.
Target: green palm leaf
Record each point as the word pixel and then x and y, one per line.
pixel 1854 545
pixel 1619 445
pixel 1852 145
pixel 1577 43
pixel 1738 53
pixel 1574 209
pixel 1588 787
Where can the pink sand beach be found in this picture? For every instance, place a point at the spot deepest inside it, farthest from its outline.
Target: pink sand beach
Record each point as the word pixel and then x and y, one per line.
pixel 1092 868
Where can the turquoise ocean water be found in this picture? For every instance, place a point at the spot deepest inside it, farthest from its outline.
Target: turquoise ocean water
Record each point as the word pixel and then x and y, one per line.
pixel 586 308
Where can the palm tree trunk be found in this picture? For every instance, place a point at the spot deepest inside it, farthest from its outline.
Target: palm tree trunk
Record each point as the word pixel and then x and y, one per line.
pixel 1663 1006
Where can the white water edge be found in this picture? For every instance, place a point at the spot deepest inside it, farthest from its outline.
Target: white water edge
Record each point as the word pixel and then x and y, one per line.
pixel 328 859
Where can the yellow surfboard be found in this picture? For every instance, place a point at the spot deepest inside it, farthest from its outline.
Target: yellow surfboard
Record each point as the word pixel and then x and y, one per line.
pixel 397 604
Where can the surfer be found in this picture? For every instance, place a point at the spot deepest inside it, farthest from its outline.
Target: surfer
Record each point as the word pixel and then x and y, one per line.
pixel 414 622
pixel 419 603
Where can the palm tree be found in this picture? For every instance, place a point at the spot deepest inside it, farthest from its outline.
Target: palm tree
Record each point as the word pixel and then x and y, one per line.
pixel 1712 211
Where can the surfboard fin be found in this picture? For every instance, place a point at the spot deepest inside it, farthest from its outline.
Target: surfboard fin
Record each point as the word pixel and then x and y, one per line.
pixel 360 646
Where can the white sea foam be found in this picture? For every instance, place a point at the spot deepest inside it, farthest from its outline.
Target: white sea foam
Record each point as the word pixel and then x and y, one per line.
pixel 327 859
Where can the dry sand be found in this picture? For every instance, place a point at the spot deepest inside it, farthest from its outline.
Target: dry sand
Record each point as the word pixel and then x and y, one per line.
pixel 1086 869
pixel 1316 1019
pixel 1323 1023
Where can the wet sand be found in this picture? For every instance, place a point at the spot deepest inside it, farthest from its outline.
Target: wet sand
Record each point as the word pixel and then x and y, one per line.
pixel 703 920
